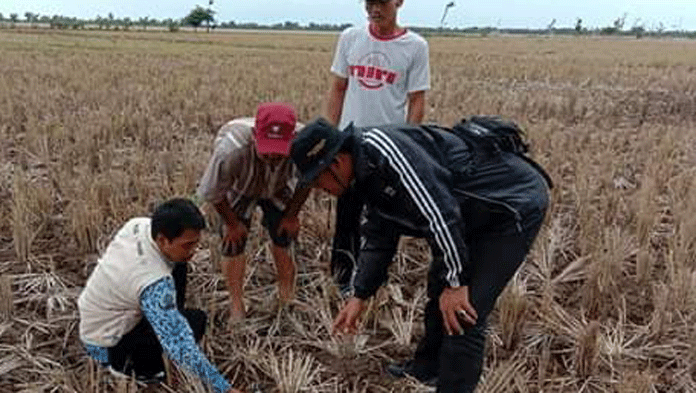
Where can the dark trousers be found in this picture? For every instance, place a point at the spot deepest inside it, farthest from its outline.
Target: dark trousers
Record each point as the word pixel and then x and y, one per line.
pixel 346 242
pixel 495 253
pixel 139 350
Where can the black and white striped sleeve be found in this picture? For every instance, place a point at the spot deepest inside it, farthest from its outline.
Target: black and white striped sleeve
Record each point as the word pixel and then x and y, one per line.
pixel 427 186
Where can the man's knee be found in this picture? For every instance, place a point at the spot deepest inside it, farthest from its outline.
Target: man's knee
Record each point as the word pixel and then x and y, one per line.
pixel 230 249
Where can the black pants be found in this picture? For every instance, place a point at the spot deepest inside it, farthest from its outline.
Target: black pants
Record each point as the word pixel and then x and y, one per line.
pixel 139 350
pixel 496 252
pixel 346 242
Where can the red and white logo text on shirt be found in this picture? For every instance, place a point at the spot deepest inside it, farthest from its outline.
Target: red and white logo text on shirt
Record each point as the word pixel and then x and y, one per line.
pixel 373 71
pixel 373 77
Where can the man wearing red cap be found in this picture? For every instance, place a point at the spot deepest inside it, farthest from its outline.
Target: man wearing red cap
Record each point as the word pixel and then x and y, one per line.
pixel 250 167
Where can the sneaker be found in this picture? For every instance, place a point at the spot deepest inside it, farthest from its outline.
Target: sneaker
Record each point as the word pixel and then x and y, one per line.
pixel 410 369
pixel 156 378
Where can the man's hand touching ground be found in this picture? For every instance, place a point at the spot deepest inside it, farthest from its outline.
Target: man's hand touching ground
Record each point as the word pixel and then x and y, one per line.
pixel 346 321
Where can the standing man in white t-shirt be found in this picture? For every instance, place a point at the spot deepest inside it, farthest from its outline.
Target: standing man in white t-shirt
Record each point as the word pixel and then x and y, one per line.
pixel 380 71
pixel 380 74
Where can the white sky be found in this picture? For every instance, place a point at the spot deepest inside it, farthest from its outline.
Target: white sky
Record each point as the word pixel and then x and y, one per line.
pixel 673 14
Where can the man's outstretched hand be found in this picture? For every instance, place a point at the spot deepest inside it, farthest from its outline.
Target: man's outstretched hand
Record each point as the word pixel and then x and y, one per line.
pixel 346 321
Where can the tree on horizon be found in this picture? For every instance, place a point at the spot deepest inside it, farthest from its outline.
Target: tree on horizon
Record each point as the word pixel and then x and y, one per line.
pixel 199 15
pixel 144 22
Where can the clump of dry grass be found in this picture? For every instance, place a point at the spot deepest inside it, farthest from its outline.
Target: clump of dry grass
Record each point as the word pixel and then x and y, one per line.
pixel 601 285
pixel 293 373
pixel 31 204
pixel 83 152
pixel 637 382
pixel 6 296
pixel 401 315
pixel 512 309
pixel 507 376
pixel 587 351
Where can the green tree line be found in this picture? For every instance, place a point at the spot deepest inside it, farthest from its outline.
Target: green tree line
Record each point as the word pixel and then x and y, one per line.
pixel 200 16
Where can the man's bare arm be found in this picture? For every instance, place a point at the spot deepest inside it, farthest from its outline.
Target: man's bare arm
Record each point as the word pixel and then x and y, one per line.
pixel 298 199
pixel 223 208
pixel 416 106
pixel 289 225
pixel 334 99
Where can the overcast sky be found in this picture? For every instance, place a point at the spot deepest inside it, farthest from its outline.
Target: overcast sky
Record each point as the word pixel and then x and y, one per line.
pixel 673 14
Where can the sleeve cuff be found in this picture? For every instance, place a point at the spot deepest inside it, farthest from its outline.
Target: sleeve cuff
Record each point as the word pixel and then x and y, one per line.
pixel 339 73
pixel 420 88
pixel 362 294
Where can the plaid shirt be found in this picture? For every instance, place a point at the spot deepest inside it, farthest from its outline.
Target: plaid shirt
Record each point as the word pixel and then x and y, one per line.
pixel 236 173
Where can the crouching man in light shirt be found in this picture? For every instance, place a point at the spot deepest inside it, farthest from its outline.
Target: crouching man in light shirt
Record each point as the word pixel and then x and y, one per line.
pixel 143 274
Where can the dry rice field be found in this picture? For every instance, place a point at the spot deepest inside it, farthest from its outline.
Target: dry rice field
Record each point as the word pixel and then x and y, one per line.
pixel 96 127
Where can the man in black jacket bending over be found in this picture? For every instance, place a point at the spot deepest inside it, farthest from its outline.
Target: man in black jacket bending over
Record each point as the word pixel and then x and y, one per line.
pixel 479 211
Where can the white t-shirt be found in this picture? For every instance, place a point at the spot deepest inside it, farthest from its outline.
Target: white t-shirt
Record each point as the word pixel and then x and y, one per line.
pixel 109 306
pixel 381 72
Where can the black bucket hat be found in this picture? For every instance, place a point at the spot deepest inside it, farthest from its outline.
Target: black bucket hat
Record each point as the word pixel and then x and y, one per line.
pixel 314 148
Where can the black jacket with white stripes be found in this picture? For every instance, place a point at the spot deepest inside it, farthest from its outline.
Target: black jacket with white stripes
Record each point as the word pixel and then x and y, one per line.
pixel 423 181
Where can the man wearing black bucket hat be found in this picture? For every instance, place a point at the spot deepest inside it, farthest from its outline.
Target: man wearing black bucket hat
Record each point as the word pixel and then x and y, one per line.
pixel 480 212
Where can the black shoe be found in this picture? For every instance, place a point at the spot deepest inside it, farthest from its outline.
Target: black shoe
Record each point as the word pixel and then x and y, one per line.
pixel 409 368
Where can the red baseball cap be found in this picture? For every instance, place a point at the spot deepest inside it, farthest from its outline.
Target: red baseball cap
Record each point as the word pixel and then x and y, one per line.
pixel 275 128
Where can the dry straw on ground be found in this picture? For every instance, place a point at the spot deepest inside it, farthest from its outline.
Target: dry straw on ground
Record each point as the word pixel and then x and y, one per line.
pixel 96 127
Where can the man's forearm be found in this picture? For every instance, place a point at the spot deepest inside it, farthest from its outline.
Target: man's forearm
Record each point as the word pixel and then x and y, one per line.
pixel 335 98
pixel 298 199
pixel 334 107
pixel 223 208
pixel 416 107
pixel 175 334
